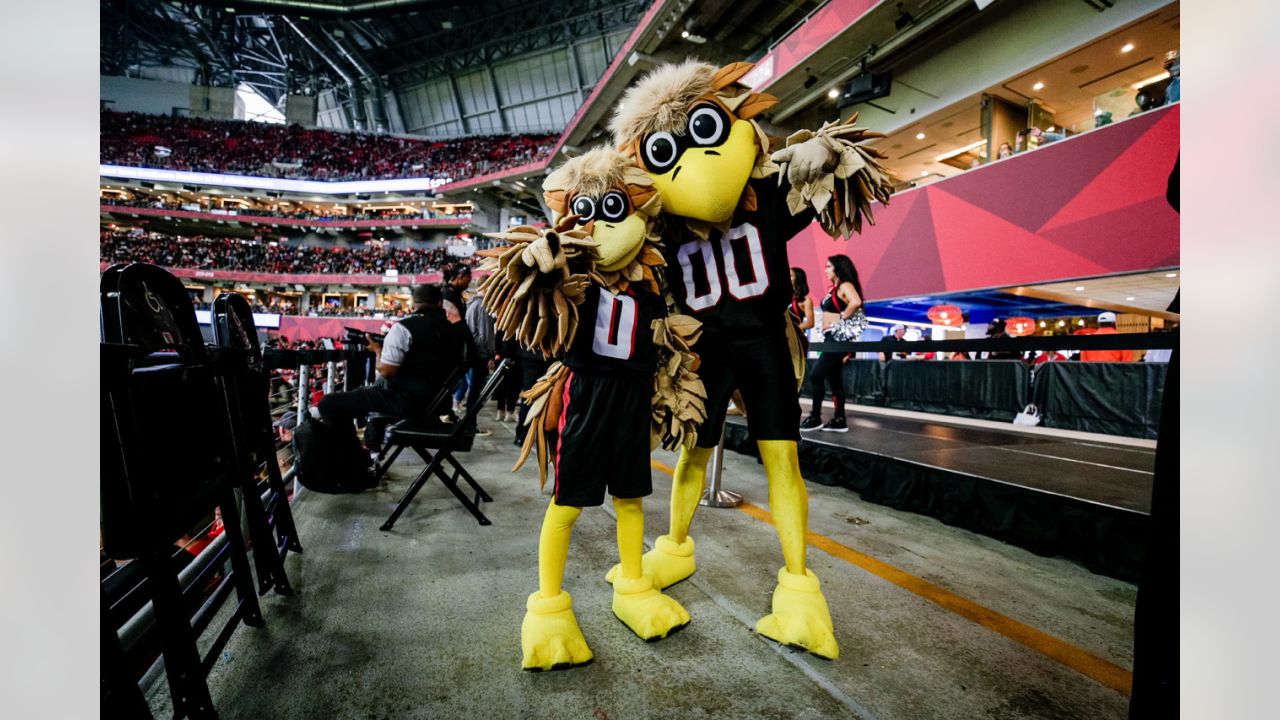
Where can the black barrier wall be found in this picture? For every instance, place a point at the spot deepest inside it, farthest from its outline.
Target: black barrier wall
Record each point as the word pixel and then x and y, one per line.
pixel 1107 540
pixel 1108 398
pixel 863 381
pixel 987 390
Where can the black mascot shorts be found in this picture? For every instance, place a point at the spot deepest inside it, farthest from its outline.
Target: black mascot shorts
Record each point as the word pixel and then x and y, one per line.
pixel 760 368
pixel 604 439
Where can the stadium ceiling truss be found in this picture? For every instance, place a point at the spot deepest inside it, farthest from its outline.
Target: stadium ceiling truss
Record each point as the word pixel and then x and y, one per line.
pixel 281 47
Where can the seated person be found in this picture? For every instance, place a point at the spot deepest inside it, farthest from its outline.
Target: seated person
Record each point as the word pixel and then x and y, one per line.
pixel 898 335
pixel 417 357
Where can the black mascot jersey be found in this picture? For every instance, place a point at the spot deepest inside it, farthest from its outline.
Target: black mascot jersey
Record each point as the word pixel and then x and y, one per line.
pixel 615 333
pixel 738 282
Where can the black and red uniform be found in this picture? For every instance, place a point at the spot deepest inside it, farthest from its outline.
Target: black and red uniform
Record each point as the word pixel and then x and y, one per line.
pixel 739 285
pixel 829 369
pixel 604 424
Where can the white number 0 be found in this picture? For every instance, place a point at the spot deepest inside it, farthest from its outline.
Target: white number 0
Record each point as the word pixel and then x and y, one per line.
pixel 737 288
pixel 615 326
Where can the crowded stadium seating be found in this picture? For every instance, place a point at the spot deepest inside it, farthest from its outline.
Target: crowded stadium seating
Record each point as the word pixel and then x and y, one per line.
pixel 244 148
pixel 209 253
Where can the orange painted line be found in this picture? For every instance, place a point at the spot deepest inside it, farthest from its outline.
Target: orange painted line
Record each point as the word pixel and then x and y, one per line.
pixel 661 466
pixel 1082 661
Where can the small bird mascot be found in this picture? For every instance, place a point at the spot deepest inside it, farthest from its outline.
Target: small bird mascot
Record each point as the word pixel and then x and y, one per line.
pixel 591 289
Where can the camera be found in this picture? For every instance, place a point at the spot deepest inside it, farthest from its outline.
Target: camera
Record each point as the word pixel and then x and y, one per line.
pixel 357 338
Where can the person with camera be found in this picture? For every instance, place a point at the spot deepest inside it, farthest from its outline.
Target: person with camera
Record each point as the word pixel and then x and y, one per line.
pixel 413 361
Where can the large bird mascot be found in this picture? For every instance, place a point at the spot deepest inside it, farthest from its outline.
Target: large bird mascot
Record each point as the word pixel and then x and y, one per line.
pixel 729 207
pixel 590 289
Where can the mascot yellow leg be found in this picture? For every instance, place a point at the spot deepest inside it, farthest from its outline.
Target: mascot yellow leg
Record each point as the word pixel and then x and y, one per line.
pixel 671 559
pixel 800 615
pixel 637 601
pixel 549 637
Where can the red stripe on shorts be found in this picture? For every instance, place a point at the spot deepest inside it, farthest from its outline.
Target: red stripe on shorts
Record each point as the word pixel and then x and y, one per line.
pixel 564 412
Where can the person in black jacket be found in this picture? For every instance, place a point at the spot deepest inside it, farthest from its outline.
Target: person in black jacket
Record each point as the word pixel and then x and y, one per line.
pixel 413 362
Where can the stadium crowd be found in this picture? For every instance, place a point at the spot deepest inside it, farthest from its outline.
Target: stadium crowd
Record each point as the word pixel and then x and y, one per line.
pixel 208 253
pixel 298 213
pixel 291 151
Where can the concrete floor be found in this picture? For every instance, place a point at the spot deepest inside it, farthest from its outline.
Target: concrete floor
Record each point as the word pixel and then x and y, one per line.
pixel 424 621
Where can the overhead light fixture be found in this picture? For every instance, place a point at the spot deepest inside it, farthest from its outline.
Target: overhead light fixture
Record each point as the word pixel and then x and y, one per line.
pixel 1038 86
pixel 1043 323
pixel 1130 299
pixel 1171 275
pixel 1128 47
pixel 1153 79
pixel 924 173
pixel 1079 288
pixel 685 34
pixel 1062 323
pixel 919 136
pixel 833 93
pixel 1080 321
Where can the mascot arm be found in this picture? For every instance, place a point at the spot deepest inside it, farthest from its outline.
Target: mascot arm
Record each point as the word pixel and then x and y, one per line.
pixel 679 398
pixel 830 173
pixel 546 400
pixel 536 284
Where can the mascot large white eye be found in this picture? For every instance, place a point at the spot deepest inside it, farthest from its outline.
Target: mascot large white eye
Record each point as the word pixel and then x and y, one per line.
pixel 585 208
pixel 613 206
pixel 660 151
pixel 707 125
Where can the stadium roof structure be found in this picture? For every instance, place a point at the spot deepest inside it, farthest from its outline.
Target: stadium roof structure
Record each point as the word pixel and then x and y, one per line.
pixel 281 47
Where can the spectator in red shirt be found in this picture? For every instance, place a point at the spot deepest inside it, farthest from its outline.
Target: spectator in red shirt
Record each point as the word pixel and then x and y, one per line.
pixel 1106 326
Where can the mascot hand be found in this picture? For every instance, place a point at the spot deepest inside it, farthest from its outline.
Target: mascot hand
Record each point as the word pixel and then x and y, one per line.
pixel 544 254
pixel 807 161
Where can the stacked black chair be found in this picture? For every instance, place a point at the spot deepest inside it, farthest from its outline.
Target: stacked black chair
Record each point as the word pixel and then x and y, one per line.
pixel 169 461
pixel 247 385
pixel 427 434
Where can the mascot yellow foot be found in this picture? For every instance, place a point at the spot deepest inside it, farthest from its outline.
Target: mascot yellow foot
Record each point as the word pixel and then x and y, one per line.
pixel 644 609
pixel 800 616
pixel 668 562
pixel 549 637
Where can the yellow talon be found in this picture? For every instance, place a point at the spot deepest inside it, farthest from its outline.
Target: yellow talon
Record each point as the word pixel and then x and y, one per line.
pixel 800 615
pixel 643 608
pixel 668 562
pixel 549 637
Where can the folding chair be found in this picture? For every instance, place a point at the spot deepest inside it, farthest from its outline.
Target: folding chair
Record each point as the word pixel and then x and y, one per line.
pixel 426 434
pixel 163 470
pixel 271 522
pixel 384 461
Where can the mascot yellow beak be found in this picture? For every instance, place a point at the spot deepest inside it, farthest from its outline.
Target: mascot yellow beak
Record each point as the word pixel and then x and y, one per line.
pixel 707 183
pixel 619 242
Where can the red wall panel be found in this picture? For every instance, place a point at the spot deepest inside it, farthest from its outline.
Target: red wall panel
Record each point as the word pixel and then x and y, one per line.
pixel 1091 205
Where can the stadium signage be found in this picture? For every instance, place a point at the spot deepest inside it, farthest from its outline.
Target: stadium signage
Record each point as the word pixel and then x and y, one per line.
pixel 262 320
pixel 312 187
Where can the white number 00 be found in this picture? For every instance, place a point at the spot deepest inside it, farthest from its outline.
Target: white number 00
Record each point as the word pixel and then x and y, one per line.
pixel 738 289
